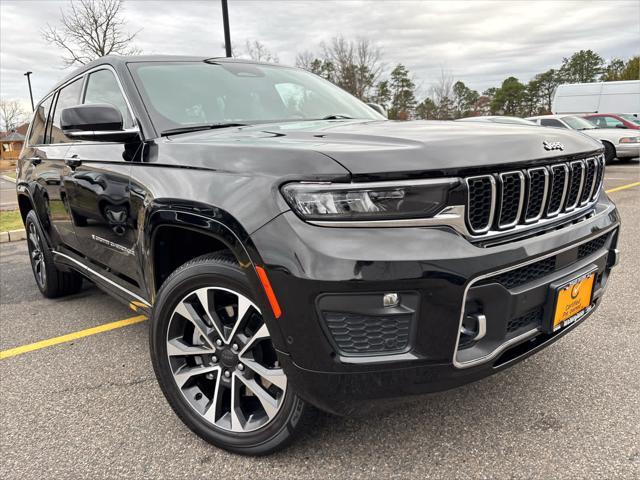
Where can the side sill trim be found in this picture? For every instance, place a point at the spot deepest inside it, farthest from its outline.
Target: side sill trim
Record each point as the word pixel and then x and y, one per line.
pixel 102 277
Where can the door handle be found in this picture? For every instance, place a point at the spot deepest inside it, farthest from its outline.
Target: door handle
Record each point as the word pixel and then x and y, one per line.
pixel 73 162
pixel 35 160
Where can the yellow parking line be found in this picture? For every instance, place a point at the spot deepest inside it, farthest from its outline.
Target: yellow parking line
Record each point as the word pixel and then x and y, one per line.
pixel 623 187
pixel 105 327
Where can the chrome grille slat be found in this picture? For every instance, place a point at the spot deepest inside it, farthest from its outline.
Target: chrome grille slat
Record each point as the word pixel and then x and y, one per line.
pixel 559 187
pixel 513 200
pixel 481 188
pixel 576 175
pixel 536 200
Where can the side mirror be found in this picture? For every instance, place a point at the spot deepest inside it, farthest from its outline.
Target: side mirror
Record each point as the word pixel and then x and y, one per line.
pixel 379 109
pixel 100 122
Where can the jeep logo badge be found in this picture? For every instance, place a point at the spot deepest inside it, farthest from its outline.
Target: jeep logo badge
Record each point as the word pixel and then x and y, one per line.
pixel 553 145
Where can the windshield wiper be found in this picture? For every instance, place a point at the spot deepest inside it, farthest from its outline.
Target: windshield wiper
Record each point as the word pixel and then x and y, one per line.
pixel 195 128
pixel 337 116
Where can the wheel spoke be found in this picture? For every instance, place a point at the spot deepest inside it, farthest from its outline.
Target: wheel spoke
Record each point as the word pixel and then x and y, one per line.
pixel 185 310
pixel 213 412
pixel 177 348
pixel 203 296
pixel 261 334
pixel 238 420
pixel 269 403
pixel 273 375
pixel 244 305
pixel 183 375
pixel 34 240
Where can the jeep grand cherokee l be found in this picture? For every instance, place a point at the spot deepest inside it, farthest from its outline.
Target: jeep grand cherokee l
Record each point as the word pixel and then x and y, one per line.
pixel 293 247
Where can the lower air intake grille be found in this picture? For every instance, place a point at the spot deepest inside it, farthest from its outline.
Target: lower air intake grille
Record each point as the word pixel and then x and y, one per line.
pixel 593 246
pixel 529 319
pixel 525 274
pixel 358 334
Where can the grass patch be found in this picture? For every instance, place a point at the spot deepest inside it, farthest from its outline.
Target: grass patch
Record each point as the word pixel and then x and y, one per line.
pixel 10 173
pixel 10 220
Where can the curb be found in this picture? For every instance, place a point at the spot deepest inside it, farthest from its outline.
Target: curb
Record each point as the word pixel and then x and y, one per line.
pixel 8 179
pixel 13 236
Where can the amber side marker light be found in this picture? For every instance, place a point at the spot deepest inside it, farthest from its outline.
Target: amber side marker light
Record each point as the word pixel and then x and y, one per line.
pixel 273 301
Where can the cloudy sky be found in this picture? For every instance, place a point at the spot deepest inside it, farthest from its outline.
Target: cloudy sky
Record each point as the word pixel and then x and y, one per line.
pixel 479 42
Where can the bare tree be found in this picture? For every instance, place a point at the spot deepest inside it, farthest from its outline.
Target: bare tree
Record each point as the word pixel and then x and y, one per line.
pixel 12 114
pixel 258 52
pixel 91 29
pixel 442 94
pixel 356 64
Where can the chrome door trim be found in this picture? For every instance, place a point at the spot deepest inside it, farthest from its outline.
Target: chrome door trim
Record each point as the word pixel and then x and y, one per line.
pixel 102 277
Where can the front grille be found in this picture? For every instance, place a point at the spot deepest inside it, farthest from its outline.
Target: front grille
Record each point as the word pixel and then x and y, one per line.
pixel 359 334
pixel 525 274
pixel 533 271
pixel 591 247
pixel 529 319
pixel 506 200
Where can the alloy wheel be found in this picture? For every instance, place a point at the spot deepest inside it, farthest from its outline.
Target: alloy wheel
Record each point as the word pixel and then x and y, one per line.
pixel 223 361
pixel 37 256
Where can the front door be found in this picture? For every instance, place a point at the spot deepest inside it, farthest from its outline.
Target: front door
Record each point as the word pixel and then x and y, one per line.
pixel 98 187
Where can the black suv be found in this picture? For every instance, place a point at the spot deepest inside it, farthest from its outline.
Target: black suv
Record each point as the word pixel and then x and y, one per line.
pixel 292 246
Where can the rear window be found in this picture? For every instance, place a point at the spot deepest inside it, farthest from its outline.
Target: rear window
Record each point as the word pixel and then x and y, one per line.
pixel 39 122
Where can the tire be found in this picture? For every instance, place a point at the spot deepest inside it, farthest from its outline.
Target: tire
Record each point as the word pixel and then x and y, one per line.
pixel 609 152
pixel 226 350
pixel 51 281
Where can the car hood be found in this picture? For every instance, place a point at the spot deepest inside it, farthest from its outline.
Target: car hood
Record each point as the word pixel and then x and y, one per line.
pixel 385 147
pixel 611 134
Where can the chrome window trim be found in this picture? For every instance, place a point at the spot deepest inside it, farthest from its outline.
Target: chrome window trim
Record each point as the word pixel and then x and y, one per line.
pixel 99 133
pixel 531 333
pixel 493 203
pixel 520 200
pixel 544 195
pixel 570 208
pixel 84 75
pixel 565 188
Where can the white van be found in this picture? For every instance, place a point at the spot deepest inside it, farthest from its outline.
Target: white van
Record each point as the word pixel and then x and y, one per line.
pixel 600 97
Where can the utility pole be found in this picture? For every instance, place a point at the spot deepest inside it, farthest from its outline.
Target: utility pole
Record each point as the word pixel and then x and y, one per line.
pixel 225 22
pixel 28 75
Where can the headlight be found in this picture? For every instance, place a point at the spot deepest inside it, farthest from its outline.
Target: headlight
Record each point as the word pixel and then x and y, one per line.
pixel 630 140
pixel 369 201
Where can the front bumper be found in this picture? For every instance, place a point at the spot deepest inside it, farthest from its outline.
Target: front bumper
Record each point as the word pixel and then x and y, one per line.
pixel 443 277
pixel 628 150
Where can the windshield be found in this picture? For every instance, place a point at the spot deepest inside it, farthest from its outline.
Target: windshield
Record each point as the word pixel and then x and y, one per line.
pixel 512 120
pixel 631 118
pixel 578 123
pixel 182 94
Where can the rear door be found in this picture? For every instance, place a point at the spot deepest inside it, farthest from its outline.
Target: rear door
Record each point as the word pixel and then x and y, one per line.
pixel 47 153
pixel 98 187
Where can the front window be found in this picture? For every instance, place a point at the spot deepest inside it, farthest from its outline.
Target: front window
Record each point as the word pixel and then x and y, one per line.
pixel 183 94
pixel 631 118
pixel 578 123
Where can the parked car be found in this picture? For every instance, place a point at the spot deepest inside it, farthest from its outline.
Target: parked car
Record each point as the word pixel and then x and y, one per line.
pixel 612 120
pixel 617 143
pixel 597 97
pixel 504 119
pixel 293 247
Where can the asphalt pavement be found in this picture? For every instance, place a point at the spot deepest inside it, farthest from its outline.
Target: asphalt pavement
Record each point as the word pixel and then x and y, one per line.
pixel 91 408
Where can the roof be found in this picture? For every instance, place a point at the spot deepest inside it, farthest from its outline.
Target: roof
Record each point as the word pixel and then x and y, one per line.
pixel 12 137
